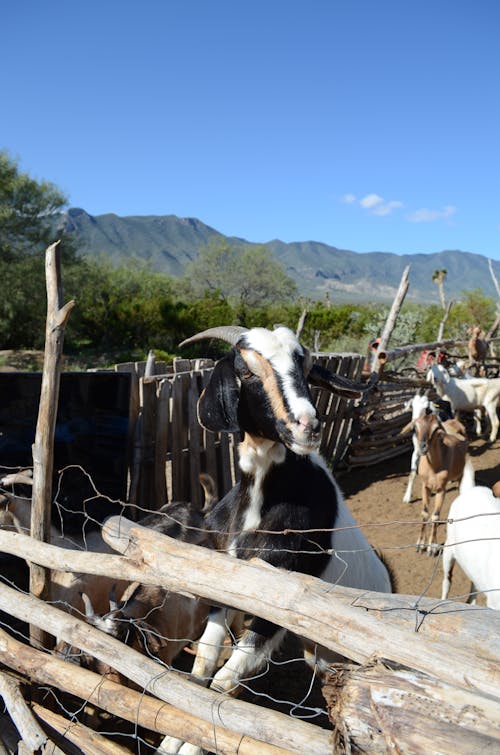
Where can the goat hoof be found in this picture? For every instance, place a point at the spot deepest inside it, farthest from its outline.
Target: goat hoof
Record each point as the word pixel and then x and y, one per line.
pixel 225 682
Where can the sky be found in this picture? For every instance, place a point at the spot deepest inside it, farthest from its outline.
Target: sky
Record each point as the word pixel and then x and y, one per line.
pixel 367 125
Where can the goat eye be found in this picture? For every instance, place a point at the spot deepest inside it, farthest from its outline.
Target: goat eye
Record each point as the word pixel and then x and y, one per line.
pixel 247 375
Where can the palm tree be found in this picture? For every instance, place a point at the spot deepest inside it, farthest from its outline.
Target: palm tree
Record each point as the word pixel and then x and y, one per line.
pixel 438 277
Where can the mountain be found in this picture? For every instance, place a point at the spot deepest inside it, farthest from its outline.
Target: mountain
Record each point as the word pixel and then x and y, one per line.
pixel 168 243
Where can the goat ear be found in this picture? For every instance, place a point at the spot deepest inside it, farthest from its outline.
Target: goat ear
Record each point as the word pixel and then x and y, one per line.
pixel 338 384
pixel 218 403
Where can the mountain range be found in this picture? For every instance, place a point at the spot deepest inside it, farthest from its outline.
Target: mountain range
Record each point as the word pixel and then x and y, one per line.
pixel 167 243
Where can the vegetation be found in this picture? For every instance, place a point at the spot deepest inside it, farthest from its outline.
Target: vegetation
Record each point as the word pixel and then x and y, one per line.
pixel 123 311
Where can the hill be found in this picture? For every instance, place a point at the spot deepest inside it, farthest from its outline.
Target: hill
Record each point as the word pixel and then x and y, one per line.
pixel 168 243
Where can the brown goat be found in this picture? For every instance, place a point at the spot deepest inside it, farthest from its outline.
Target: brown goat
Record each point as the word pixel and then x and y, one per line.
pixel 478 350
pixel 443 458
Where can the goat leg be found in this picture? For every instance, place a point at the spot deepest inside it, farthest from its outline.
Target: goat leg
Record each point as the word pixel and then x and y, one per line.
pixel 433 547
pixel 425 518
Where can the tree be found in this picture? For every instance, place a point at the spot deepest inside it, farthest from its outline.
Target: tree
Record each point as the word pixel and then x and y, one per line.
pixel 438 277
pixel 246 277
pixel 27 210
pixel 29 216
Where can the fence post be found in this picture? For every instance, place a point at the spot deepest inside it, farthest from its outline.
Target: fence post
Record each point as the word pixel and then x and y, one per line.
pixel 43 447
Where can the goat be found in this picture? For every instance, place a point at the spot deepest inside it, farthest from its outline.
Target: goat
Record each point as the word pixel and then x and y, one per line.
pixel 472 540
pixel 419 404
pixel 175 616
pixel 478 350
pixel 287 502
pixel 442 447
pixel 467 395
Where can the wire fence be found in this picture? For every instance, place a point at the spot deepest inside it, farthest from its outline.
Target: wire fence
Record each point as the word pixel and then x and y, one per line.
pixel 288 683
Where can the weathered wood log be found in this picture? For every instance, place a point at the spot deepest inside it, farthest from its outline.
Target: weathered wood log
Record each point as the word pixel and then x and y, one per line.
pixel 137 707
pixel 246 718
pixel 380 357
pixel 29 729
pixel 82 736
pixel 380 442
pixel 352 622
pixel 366 460
pixel 301 323
pixel 431 346
pixel 376 706
pixel 43 447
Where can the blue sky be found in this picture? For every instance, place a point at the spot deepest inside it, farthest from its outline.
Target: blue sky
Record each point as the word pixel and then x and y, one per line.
pixel 371 126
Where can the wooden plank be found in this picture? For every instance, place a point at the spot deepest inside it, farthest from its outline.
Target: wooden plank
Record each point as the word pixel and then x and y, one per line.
pixel 209 442
pixel 181 365
pixel 367 460
pixel 225 478
pixel 146 496
pixel 194 442
pixel 341 426
pixel 177 438
pixel 163 393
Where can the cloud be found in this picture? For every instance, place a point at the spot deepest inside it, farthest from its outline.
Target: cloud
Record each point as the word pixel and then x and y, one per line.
pixel 386 208
pixel 425 215
pixel 373 203
pixel 370 201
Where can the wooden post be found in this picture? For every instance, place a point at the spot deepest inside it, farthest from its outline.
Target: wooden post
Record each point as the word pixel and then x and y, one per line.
pixel 378 358
pixel 444 319
pixel 43 447
pixel 301 323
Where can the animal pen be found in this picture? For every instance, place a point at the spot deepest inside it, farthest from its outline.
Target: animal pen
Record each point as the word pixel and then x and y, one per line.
pixel 419 675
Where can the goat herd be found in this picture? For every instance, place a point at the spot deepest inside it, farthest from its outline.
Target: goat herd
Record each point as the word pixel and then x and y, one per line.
pixel 287 508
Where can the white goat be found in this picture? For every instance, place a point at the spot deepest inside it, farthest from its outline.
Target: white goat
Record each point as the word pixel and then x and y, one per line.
pixel 418 405
pixel 473 541
pixel 467 395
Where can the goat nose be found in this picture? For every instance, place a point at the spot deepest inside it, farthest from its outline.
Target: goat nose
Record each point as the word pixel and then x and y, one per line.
pixel 308 424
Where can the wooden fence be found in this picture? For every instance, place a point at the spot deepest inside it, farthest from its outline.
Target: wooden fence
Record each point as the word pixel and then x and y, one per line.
pixel 170 449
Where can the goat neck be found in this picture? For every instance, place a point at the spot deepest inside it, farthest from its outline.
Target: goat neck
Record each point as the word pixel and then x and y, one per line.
pixel 259 454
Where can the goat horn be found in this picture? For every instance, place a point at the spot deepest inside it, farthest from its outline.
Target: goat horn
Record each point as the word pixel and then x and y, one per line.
pixel 113 603
pixel 408 427
pixel 129 592
pixel 89 608
pixel 229 333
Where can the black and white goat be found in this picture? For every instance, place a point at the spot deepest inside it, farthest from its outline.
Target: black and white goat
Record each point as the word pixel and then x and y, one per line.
pixel 287 502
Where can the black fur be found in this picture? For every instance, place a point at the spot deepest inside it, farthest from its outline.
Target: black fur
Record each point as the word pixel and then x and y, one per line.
pixel 298 495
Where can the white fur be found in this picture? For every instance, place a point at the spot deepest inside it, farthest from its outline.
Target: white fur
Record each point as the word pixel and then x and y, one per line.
pixel 468 394
pixel 473 541
pixel 279 347
pixel 418 404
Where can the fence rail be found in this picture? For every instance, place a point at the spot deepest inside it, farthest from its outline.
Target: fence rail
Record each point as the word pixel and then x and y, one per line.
pixel 170 449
